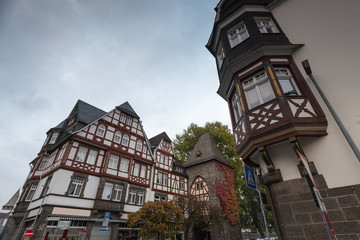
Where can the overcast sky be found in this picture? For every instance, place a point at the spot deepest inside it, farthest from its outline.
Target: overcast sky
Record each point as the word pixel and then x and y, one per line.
pixel 104 52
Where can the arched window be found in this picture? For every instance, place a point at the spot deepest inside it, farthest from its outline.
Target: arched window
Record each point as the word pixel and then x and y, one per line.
pixel 100 131
pixel 117 137
pixel 138 145
pixel 125 140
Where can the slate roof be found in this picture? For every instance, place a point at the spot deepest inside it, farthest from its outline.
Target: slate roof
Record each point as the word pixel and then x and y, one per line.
pixel 12 201
pixel 205 150
pixel 86 114
pixel 126 107
pixel 155 141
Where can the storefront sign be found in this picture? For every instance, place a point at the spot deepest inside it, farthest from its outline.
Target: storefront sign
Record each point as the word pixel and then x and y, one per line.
pixel 64 225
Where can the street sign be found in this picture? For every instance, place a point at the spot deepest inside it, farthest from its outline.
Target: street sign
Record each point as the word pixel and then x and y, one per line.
pixel 64 225
pixel 28 233
pixel 107 215
pixel 104 228
pixel 250 177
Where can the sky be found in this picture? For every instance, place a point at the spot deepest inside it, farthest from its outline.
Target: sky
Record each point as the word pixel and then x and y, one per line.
pixel 104 52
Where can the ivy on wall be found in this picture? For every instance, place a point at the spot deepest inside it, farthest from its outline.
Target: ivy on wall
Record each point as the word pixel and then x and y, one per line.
pixel 225 190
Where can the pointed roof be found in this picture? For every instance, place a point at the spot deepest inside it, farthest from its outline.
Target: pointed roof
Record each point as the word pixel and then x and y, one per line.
pixel 12 201
pixel 205 150
pixel 155 141
pixel 126 107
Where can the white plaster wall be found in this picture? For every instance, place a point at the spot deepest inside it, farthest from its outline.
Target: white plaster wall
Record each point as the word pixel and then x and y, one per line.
pixel 60 181
pixel 91 187
pixel 283 157
pixel 331 34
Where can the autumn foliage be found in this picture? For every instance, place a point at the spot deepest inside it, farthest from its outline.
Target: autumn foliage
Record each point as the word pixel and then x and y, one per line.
pixel 157 219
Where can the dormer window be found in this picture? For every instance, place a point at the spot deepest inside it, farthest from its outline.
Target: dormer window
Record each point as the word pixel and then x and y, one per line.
pixel 237 34
pixel 266 25
pixel 100 131
pixel 258 90
pixel 54 137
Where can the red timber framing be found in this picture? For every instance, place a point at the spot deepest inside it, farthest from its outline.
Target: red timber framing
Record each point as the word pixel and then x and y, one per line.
pixel 169 182
pixel 200 189
pixel 284 116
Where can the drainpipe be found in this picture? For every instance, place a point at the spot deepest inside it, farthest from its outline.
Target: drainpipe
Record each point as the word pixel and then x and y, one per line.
pixel 346 134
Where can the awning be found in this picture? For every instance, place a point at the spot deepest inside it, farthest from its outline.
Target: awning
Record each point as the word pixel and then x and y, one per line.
pixel 59 218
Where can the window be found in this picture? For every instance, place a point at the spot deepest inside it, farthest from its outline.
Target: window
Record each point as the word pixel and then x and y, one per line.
pixel 122 118
pixel 136 196
pixel 107 191
pixel 237 35
pixel 144 149
pixel 54 137
pixel 159 198
pixel 124 165
pixel 76 186
pixel 166 160
pixel 165 179
pixel 31 192
pixel 136 169
pixel 125 140
pixel 91 159
pixel 117 137
pixel 132 195
pixel 159 178
pixel 113 161
pixel 138 145
pixel 258 90
pixel 161 158
pixel 81 154
pixel 143 171
pixel 220 56
pixel 266 25
pixel 199 185
pixel 128 120
pixel 140 198
pixel 100 131
pixel 117 192
pixel 181 184
pixel 286 81
pixel 43 162
pixel 236 107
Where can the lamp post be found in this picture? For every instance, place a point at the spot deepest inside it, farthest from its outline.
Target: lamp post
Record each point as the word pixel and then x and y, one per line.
pixel 346 134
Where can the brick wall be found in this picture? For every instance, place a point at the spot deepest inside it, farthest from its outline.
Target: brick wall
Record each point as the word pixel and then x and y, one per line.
pixel 299 218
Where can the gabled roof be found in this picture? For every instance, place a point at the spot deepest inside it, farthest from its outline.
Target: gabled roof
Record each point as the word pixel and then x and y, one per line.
pixel 85 114
pixel 205 150
pixel 126 107
pixel 155 141
pixel 12 201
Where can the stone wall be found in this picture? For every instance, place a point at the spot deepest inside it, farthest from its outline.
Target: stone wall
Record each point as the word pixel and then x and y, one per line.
pixel 299 218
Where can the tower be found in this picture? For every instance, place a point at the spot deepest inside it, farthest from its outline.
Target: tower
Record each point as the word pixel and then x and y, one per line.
pixel 278 114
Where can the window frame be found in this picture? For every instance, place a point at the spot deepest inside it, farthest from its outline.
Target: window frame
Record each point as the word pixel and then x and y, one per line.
pixel 117 135
pixel 100 131
pixel 44 162
pixel 108 187
pixel 117 197
pixel 129 120
pixel 236 107
pixel 136 194
pixel 93 157
pixel 112 158
pixel 220 56
pixel 31 192
pixel 54 137
pixel 263 28
pixel 122 163
pixel 138 145
pixel 122 117
pixel 238 34
pixel 288 77
pixel 81 151
pixel 254 84
pixel 74 181
pixel 125 140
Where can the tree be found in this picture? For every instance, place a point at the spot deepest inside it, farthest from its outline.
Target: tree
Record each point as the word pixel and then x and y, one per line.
pixel 200 214
pixel 183 145
pixel 157 219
